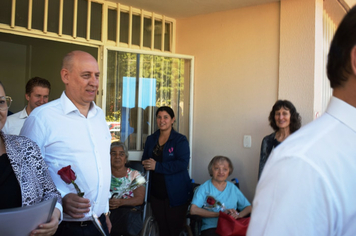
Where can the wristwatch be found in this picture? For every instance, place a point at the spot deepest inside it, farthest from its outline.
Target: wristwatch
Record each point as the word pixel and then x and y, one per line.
pixel 107 213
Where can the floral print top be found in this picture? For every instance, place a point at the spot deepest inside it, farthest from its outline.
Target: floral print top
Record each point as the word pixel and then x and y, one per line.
pixel 118 185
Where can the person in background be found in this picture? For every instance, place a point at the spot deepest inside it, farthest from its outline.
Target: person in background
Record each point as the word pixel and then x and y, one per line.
pixel 284 120
pixel 73 131
pixel 121 180
pixel 308 184
pixel 217 191
pixel 166 155
pixel 37 94
pixel 24 176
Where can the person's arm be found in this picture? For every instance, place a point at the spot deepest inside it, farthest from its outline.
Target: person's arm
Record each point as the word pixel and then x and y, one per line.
pixel 195 210
pixel 49 188
pixel 280 189
pixel 137 199
pixel 265 151
pixel 149 144
pixel 245 212
pixel 108 223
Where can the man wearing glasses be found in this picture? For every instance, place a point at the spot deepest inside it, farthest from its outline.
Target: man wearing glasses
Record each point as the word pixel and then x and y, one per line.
pixel 37 94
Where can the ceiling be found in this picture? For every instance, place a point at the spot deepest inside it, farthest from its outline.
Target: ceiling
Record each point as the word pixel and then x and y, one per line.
pixel 178 9
pixel 187 8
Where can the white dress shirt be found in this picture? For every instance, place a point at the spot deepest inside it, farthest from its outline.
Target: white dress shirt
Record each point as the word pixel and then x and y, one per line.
pixel 15 122
pixel 66 137
pixel 308 186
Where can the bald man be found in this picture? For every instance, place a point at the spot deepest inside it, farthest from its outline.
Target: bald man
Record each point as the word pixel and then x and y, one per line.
pixel 72 131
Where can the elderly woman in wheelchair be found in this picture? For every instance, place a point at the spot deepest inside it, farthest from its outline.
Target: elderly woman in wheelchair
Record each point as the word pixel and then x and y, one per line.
pixel 216 195
pixel 127 194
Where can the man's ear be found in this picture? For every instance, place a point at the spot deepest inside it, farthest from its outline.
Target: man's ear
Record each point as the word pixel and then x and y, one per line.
pixel 353 60
pixel 65 76
pixel 27 97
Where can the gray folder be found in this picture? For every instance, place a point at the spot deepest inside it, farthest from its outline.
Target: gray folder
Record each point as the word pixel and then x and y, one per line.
pixel 22 220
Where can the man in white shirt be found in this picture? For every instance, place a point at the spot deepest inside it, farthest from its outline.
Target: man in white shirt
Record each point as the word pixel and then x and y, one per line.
pixel 308 186
pixel 72 131
pixel 37 94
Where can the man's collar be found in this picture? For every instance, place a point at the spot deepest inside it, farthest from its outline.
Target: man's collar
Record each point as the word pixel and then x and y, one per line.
pixel 68 106
pixel 342 111
pixel 23 113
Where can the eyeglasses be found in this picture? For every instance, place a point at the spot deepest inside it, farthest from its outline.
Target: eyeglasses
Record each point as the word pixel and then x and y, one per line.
pixel 5 102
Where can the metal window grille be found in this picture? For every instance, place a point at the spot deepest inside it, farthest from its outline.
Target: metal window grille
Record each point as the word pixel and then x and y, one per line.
pixel 95 22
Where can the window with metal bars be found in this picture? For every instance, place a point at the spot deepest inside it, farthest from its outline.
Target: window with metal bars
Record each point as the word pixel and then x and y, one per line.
pixel 92 21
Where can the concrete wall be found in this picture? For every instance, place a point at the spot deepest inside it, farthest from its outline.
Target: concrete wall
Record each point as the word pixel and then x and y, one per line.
pixel 236 83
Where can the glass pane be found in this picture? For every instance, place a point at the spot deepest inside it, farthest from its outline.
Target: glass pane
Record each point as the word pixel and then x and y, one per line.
pixel 112 24
pixel 158 35
pixel 37 14
pixel 167 37
pixel 124 27
pixel 82 18
pixel 136 85
pixel 95 21
pixel 147 30
pixel 136 26
pixel 21 15
pixel 68 10
pixel 53 16
pixel 5 11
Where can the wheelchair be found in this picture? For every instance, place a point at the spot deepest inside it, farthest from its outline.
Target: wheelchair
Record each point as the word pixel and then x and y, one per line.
pixel 150 226
pixel 195 221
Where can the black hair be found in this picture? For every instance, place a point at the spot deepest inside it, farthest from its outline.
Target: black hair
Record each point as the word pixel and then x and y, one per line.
pixel 295 119
pixel 339 65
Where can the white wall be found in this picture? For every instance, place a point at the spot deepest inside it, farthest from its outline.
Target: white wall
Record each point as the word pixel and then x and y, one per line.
pixel 236 81
pixel 301 64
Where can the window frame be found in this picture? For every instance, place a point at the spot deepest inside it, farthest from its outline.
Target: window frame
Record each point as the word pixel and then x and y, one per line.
pixel 136 155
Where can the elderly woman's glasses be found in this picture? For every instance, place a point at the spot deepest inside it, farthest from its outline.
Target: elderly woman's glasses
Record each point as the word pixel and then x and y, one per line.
pixel 5 102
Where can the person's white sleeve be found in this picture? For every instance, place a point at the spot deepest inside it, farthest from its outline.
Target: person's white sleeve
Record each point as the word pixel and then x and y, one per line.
pixel 292 198
pixel 60 208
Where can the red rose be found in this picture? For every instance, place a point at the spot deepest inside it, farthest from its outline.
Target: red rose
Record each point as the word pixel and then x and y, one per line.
pixel 210 201
pixel 67 174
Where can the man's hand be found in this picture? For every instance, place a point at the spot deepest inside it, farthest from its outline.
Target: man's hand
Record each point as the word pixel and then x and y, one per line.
pixel 75 206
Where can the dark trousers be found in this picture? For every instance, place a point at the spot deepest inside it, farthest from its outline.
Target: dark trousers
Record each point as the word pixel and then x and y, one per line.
pixel 209 232
pixel 68 228
pixel 171 220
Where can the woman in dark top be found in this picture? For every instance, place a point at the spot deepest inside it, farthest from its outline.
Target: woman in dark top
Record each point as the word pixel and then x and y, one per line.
pixel 285 120
pixel 166 155
pixel 24 178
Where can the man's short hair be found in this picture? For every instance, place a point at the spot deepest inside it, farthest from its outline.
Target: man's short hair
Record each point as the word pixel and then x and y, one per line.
pixel 37 81
pixel 339 67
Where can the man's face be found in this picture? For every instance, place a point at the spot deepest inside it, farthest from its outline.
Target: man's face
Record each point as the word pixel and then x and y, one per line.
pixel 37 97
pixel 82 80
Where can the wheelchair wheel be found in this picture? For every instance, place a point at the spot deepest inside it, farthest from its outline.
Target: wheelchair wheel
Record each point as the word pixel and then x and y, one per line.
pixel 150 227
